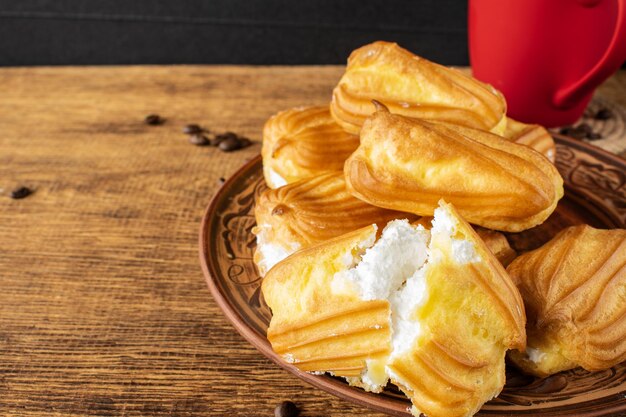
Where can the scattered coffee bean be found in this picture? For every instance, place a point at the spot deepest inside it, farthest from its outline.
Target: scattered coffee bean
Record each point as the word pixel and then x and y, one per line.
pixel 603 114
pixel 199 140
pixel 244 142
pixel 582 131
pixel 578 133
pixel 286 409
pixel 230 144
pixel 594 136
pixel 154 119
pixel 226 142
pixel 225 136
pixel 574 132
pixel 20 193
pixel 217 140
pixel 192 129
pixel 585 128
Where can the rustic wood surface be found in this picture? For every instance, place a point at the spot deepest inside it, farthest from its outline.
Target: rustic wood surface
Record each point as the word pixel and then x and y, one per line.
pixel 103 307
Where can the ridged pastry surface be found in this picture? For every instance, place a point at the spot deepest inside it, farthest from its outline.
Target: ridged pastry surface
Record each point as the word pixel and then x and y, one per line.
pixel 311 211
pixel 473 314
pixel 535 136
pixel 316 329
pixel 408 165
pixel 574 288
pixel 303 142
pixel 497 243
pixel 415 87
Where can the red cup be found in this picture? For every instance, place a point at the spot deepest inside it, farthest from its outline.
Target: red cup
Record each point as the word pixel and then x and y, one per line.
pixel 546 56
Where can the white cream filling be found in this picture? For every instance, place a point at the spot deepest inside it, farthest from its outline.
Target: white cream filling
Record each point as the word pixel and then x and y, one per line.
pixel 374 376
pixel 444 227
pixel 404 302
pixel 271 253
pixel 387 264
pixel 276 179
pixel 390 269
pixel 535 355
pixel 394 268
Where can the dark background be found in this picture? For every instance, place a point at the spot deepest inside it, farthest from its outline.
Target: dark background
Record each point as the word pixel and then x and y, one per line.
pixel 70 32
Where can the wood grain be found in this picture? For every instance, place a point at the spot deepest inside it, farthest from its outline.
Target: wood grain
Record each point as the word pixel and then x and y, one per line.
pixel 103 307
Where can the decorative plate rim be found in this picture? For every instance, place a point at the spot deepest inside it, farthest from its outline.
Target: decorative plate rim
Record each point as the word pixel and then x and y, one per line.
pixel 335 386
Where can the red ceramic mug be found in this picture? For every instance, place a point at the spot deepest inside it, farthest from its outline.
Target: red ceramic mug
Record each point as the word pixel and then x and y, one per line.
pixel 546 56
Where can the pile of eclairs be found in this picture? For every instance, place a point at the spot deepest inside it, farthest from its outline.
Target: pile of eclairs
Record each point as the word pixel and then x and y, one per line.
pixel 380 241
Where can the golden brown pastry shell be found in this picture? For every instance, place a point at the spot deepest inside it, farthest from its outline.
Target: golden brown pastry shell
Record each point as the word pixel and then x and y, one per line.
pixel 535 136
pixel 415 87
pixel 472 316
pixel 303 142
pixel 574 288
pixel 408 165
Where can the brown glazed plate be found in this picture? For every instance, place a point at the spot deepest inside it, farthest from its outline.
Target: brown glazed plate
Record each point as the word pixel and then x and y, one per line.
pixel 595 193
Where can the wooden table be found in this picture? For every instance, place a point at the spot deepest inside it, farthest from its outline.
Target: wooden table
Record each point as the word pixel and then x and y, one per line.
pixel 103 307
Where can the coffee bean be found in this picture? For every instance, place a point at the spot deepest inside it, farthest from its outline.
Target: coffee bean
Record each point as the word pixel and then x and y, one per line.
pixel 230 144
pixel 199 140
pixel 576 133
pixel 154 119
pixel 286 409
pixel 20 193
pixel 584 127
pixel 594 136
pixel 245 142
pixel 217 140
pixel 603 114
pixel 192 129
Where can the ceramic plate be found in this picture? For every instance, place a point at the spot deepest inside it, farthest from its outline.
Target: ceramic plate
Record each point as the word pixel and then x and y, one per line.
pixel 595 193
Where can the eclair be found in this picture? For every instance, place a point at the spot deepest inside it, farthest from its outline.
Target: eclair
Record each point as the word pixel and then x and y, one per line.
pixel 408 164
pixel 433 311
pixel 414 87
pixel 574 289
pixel 303 142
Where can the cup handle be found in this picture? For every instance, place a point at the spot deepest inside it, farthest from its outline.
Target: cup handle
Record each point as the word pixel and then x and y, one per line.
pixel 610 62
